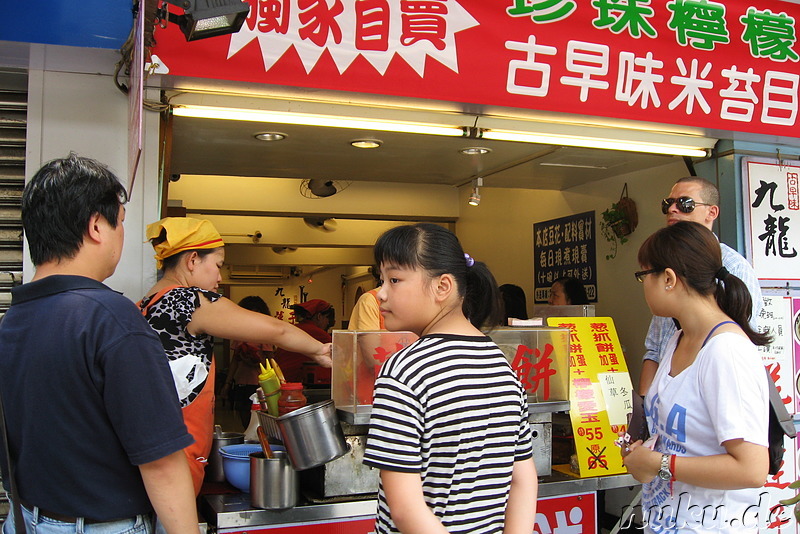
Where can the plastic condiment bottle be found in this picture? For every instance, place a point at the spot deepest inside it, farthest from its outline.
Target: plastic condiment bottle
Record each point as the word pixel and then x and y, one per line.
pixel 271 386
pixel 251 433
pixel 291 398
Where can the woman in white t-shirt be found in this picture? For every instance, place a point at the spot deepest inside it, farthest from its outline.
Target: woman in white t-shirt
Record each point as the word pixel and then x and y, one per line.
pixel 708 407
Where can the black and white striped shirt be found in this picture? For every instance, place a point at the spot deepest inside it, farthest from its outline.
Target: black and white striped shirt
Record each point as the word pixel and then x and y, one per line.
pixel 450 408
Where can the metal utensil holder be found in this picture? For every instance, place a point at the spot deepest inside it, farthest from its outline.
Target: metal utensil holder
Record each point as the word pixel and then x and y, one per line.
pixel 270 425
pixel 312 434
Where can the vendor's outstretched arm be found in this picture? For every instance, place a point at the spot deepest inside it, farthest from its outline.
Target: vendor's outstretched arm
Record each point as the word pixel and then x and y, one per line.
pixel 224 318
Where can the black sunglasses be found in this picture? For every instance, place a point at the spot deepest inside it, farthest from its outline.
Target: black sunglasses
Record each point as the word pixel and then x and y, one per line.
pixel 684 204
pixel 641 274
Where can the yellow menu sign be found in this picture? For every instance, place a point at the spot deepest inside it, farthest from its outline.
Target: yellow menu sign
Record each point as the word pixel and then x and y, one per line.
pixel 599 392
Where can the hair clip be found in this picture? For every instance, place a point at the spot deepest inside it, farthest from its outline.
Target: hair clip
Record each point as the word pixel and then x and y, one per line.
pixel 470 261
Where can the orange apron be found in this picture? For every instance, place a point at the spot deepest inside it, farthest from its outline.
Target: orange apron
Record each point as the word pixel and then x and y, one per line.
pixel 198 416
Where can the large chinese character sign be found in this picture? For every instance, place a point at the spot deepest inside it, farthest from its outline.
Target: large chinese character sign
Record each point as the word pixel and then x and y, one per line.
pixel 730 65
pixel 773 213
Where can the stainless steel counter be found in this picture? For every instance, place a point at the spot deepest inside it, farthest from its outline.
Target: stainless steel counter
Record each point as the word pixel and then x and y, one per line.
pixel 233 511
pixel 562 484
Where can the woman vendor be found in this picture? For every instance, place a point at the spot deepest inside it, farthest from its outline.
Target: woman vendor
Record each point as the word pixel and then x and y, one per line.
pixel 185 310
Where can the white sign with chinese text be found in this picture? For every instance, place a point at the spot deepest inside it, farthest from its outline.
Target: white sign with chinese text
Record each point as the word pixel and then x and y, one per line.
pixel 773 217
pixel 617 390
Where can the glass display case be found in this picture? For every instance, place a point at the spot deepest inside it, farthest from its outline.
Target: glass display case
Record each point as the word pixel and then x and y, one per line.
pixel 540 357
pixel 357 358
pixel 570 310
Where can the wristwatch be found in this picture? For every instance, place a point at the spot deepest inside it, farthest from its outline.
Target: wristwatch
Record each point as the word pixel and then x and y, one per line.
pixel 664 473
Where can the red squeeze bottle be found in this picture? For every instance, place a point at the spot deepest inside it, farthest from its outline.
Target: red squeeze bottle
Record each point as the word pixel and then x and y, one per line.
pixel 291 397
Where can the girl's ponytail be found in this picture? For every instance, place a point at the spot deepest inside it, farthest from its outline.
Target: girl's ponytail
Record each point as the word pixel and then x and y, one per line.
pixel 734 299
pixel 482 304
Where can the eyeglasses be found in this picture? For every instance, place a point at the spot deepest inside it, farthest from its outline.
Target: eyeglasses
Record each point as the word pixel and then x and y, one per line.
pixel 641 274
pixel 684 204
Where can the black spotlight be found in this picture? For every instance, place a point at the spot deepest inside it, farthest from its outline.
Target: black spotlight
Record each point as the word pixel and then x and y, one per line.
pixel 209 18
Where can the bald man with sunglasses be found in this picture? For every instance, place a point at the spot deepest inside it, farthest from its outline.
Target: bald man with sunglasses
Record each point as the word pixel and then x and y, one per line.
pixel 694 199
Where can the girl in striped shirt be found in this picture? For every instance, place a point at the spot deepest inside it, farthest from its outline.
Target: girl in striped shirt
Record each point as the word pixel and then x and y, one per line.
pixel 449 427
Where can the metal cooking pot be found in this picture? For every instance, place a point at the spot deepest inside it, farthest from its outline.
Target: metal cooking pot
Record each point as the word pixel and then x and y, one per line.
pixel 273 482
pixel 214 470
pixel 312 435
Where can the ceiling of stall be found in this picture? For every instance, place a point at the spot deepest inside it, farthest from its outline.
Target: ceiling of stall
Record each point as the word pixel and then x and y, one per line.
pixel 228 147
pixel 211 151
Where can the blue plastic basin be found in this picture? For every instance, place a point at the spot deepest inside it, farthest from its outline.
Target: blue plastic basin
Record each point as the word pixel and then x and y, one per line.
pixel 236 463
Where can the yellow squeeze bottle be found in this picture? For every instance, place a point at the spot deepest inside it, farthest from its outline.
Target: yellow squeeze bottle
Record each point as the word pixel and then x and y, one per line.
pixel 271 386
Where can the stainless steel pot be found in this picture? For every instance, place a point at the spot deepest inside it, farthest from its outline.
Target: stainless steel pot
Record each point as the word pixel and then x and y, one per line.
pixel 214 471
pixel 273 482
pixel 312 435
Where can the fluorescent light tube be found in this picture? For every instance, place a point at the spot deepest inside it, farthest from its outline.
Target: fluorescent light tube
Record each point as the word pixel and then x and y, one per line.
pixel 591 142
pixel 282 117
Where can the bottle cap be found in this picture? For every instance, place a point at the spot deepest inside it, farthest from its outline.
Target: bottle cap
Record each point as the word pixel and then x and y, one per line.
pixel 292 385
pixel 266 374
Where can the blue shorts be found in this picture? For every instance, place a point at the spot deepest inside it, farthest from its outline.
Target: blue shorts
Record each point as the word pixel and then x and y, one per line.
pixel 39 524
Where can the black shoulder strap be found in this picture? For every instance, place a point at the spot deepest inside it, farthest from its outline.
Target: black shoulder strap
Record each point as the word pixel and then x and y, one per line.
pixel 779 409
pixel 19 521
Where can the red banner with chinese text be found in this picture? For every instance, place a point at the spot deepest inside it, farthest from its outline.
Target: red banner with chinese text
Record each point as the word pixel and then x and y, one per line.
pixel 729 65
pixel 566 513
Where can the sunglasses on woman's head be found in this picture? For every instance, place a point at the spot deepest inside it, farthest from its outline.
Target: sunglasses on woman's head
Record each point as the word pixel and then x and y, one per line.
pixel 684 204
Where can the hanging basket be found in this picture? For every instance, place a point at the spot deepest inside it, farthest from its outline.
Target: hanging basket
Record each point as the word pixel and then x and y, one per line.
pixel 621 228
pixel 627 206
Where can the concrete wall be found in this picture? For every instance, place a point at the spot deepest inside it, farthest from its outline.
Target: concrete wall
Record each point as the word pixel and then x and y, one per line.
pixel 73 105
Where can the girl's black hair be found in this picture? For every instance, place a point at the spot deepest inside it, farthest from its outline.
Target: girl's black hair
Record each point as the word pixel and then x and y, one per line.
pixel 573 289
pixel 437 251
pixel 514 302
pixel 255 303
pixel 692 251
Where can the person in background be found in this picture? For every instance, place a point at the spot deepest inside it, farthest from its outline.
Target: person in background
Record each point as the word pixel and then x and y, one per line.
pixel 94 427
pixel 449 427
pixel 694 199
pixel 246 358
pixel 708 404
pixel 186 311
pixel 314 317
pixel 514 302
pixel 567 291
pixel 366 314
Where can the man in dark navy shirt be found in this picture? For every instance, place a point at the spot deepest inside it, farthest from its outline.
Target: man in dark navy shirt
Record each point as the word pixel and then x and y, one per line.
pixel 94 427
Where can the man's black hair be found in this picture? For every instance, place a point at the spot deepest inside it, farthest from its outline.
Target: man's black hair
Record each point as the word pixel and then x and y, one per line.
pixel 59 201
